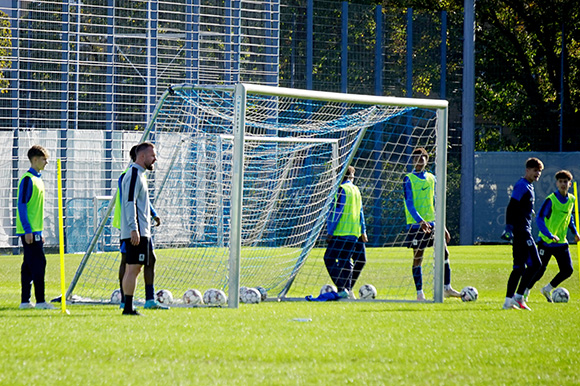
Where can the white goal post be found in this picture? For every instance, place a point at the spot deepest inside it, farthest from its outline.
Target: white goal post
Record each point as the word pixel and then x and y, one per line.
pixel 245 179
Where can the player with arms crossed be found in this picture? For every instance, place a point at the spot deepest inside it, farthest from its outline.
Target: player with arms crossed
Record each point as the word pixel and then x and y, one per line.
pixel 136 221
pixel 419 190
pixel 519 212
pixel 345 255
pixel 554 220
pixel 149 270
pixel 29 226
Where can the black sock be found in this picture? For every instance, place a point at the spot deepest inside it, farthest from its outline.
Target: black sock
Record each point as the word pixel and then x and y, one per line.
pixel 128 303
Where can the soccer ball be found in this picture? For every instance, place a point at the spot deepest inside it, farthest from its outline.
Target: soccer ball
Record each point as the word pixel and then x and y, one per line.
pixel 116 297
pixel 192 296
pixel 242 290
pixel 251 296
pixel 560 295
pixel 327 288
pixel 469 294
pixel 215 297
pixel 164 296
pixel 263 292
pixel 367 291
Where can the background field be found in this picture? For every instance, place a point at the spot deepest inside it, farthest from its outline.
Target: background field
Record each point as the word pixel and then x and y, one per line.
pixel 360 343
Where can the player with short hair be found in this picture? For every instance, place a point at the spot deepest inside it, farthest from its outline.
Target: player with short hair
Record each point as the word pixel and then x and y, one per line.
pixel 345 255
pixel 554 220
pixel 29 226
pixel 136 221
pixel 519 212
pixel 419 191
pixel 148 270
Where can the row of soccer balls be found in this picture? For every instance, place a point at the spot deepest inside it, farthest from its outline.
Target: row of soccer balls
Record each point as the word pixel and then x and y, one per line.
pixel 468 294
pixel 212 296
pixel 250 295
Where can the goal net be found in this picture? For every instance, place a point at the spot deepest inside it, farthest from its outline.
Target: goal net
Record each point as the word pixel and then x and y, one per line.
pixel 245 179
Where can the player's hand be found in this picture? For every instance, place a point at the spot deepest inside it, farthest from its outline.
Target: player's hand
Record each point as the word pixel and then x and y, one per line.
pixel 507 235
pixel 577 238
pixel 425 226
pixel 29 238
pixel 364 238
pixel 135 238
pixel 328 238
pixel 157 221
pixel 555 238
pixel 447 236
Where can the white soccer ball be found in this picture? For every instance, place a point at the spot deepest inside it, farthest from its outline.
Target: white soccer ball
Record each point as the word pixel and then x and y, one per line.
pixel 116 297
pixel 560 295
pixel 215 297
pixel 242 290
pixel 469 294
pixel 192 296
pixel 327 288
pixel 367 291
pixel 263 292
pixel 164 296
pixel 251 296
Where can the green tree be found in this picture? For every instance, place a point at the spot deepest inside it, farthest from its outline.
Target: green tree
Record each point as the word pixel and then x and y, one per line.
pixel 519 71
pixel 5 54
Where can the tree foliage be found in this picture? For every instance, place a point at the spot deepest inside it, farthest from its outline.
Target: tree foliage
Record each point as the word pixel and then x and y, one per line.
pixel 519 71
pixel 5 48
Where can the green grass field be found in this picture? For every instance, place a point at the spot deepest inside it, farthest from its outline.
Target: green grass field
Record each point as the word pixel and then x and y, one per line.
pixel 360 343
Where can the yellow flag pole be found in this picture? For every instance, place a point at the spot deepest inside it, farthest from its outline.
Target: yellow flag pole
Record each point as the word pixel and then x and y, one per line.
pixel 577 224
pixel 61 238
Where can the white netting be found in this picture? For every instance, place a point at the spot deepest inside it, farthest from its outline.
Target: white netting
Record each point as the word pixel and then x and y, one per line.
pixel 296 152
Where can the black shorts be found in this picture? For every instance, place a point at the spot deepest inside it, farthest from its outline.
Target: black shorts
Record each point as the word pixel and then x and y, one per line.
pixel 417 239
pixel 142 254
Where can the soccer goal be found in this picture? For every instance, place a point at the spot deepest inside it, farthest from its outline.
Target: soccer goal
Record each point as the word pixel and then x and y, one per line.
pixel 246 176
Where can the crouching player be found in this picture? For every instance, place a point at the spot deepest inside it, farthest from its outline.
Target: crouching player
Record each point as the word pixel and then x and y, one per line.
pixel 554 220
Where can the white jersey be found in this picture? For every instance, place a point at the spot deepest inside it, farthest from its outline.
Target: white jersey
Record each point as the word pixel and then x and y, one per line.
pixel 135 202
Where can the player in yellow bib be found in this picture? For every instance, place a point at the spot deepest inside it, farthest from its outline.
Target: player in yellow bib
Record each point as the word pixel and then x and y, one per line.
pixel 29 226
pixel 419 190
pixel 554 220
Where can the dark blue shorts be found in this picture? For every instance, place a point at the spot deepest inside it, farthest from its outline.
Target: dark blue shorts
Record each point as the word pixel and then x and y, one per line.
pixel 142 254
pixel 417 239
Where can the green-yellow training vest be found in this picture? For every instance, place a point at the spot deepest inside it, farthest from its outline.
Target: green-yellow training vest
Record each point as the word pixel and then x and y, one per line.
pixel 35 205
pixel 117 212
pixel 349 222
pixel 558 222
pixel 423 193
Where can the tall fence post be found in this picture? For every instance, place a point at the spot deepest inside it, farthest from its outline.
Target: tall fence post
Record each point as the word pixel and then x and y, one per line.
pixel 344 49
pixel 468 123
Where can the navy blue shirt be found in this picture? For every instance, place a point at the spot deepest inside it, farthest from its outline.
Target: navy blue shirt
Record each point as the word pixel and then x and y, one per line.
pixel 520 209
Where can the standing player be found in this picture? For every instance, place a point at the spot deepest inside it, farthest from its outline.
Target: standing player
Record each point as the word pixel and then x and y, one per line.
pixel 149 270
pixel 345 255
pixel 29 226
pixel 554 220
pixel 136 221
pixel 419 190
pixel 518 227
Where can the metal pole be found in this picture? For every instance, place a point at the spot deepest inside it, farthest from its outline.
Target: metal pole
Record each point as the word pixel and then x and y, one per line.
pixel 440 203
pixel 468 123
pixel 237 196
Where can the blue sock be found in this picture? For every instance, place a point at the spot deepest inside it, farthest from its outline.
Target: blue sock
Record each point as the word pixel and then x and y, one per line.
pixel 418 278
pixel 149 292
